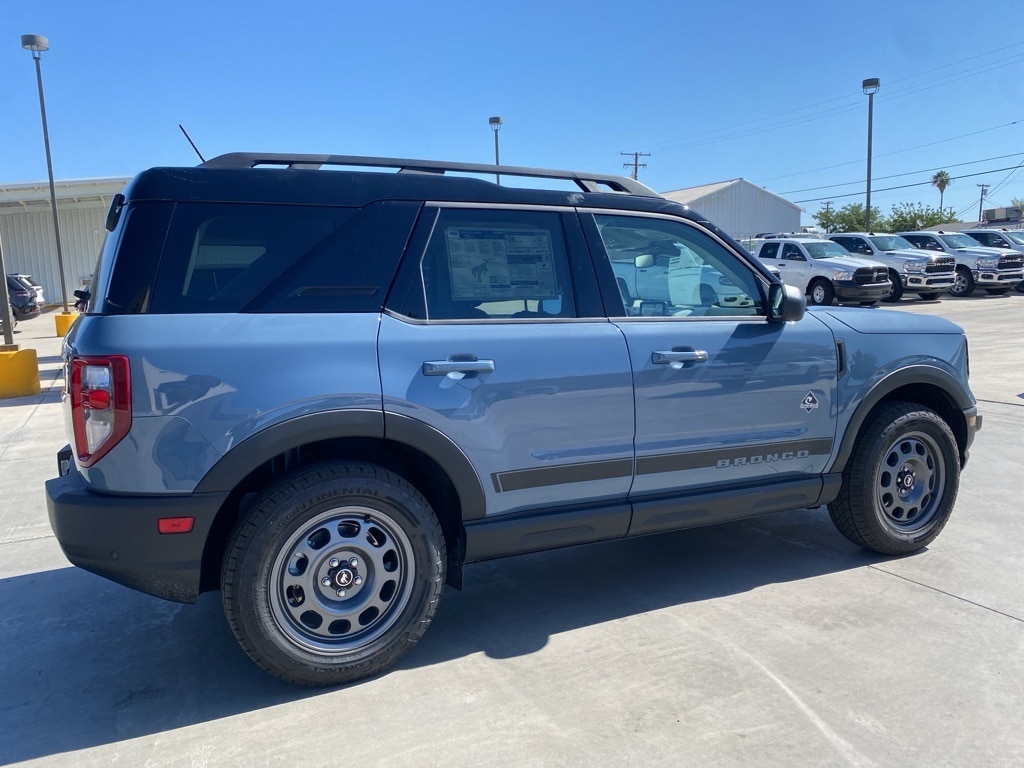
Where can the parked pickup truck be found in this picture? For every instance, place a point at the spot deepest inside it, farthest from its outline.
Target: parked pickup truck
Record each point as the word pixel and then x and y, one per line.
pixel 826 271
pixel 910 270
pixel 993 269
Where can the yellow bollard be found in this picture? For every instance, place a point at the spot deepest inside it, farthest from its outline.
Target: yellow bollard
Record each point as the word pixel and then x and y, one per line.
pixel 63 321
pixel 19 372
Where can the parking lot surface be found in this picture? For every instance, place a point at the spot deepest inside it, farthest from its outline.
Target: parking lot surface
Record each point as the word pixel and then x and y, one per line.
pixel 768 642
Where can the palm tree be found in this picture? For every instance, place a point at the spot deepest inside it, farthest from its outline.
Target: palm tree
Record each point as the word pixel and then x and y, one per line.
pixel 941 180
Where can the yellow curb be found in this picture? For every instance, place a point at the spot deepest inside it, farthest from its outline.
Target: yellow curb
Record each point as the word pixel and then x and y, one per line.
pixel 19 373
pixel 63 321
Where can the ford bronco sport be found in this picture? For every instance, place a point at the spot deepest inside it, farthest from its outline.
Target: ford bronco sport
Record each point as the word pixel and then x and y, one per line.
pixel 325 392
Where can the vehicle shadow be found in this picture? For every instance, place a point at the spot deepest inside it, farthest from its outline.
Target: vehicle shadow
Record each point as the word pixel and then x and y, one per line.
pixel 88 662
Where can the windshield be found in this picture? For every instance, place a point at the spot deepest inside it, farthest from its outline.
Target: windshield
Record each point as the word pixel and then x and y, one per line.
pixel 825 250
pixel 891 243
pixel 959 241
pixel 1016 237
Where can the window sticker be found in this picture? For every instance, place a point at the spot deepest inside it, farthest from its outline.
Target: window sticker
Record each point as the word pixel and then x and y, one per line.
pixel 489 264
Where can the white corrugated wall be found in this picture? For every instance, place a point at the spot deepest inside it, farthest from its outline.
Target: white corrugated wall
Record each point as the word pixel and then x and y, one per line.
pixel 30 247
pixel 743 210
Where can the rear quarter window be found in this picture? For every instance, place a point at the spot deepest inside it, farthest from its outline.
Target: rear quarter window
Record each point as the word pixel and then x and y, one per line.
pixel 224 257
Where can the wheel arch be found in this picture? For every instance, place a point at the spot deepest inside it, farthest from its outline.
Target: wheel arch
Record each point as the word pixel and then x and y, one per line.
pixel 927 385
pixel 425 457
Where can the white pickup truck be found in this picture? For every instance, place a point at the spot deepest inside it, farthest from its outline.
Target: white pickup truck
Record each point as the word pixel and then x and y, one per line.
pixel 992 269
pixel 826 271
pixel 911 270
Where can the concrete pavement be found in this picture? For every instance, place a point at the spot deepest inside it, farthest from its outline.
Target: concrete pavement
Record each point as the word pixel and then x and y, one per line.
pixel 769 642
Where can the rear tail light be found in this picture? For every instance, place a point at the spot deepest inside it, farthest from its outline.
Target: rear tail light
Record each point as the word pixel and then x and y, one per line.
pixel 101 404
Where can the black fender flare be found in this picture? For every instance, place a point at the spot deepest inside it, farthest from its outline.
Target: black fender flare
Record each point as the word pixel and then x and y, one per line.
pixel 259 448
pixel 912 375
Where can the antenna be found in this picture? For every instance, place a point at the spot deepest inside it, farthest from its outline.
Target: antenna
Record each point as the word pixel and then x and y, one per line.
pixel 201 158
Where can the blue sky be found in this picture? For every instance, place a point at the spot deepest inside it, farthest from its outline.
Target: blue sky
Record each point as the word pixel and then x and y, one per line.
pixel 767 91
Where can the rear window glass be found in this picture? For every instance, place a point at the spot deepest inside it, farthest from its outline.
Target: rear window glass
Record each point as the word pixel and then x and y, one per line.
pixel 273 258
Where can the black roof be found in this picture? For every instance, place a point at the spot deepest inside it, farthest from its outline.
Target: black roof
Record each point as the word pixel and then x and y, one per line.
pixel 301 180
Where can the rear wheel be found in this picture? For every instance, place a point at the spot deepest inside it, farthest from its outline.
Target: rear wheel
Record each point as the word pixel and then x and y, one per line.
pixel 334 575
pixel 821 293
pixel 897 287
pixel 963 283
pixel 901 482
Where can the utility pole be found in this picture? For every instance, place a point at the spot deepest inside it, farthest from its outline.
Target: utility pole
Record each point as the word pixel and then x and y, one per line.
pixel 981 203
pixel 636 164
pixel 828 217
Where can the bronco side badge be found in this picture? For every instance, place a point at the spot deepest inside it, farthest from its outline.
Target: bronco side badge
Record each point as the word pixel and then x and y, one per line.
pixel 809 403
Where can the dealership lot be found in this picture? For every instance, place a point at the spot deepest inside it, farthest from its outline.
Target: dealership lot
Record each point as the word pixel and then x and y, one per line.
pixel 767 642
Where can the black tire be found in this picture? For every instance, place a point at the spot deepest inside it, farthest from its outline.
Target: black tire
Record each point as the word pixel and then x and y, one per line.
pixel 897 287
pixel 708 297
pixel 334 574
pixel 1020 287
pixel 901 482
pixel 963 283
pixel 933 296
pixel 820 293
pixel 999 291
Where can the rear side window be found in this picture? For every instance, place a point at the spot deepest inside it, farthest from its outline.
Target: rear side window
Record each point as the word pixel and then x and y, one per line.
pixel 272 258
pixel 769 251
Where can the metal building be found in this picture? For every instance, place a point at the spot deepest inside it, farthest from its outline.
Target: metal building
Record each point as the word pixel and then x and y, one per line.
pixel 740 208
pixel 26 230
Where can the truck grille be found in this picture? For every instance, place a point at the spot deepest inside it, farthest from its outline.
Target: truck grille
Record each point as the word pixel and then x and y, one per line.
pixel 940 264
pixel 868 275
pixel 1011 262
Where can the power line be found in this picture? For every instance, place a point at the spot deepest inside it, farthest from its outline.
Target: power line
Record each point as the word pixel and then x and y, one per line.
pixel 906 186
pixel 907 173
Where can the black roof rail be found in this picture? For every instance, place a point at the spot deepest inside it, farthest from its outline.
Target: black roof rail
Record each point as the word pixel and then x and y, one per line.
pixel 588 182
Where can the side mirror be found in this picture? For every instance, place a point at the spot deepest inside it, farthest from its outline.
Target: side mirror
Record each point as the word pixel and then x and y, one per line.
pixel 785 303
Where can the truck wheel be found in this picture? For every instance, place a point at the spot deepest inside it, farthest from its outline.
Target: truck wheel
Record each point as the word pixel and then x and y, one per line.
pixel 963 283
pixel 821 293
pixel 897 287
pixel 999 291
pixel 334 574
pixel 930 296
pixel 901 482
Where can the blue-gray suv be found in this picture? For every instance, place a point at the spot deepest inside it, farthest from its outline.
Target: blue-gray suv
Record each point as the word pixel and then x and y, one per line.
pixel 323 392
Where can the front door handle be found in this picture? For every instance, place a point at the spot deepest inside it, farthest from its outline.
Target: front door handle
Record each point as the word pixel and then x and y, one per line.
pixel 444 367
pixel 678 356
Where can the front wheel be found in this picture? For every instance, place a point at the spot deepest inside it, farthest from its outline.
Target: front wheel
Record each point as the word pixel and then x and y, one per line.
pixel 821 293
pixel 963 283
pixel 897 287
pixel 901 482
pixel 334 574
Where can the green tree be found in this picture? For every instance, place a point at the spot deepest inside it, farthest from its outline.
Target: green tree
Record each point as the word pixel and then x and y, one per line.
pixel 910 216
pixel 940 181
pixel 849 218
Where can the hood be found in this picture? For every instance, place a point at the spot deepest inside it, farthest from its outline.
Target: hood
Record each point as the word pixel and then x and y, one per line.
pixel 912 253
pixel 883 321
pixel 982 250
pixel 848 262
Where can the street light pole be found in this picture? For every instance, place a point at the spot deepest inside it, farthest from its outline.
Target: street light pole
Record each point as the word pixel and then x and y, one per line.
pixel 870 87
pixel 37 44
pixel 495 123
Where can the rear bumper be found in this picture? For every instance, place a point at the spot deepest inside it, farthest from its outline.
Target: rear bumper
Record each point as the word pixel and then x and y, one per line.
pixel 116 536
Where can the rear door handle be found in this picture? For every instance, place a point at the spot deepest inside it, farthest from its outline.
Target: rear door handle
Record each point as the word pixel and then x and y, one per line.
pixel 679 356
pixel 444 367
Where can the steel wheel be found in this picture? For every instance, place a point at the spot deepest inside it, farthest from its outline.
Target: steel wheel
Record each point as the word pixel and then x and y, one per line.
pixel 909 482
pixel 901 481
pixel 341 580
pixel 333 573
pixel 822 293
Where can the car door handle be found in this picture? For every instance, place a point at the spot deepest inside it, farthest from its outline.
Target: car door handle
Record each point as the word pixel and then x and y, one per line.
pixel 679 356
pixel 444 367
